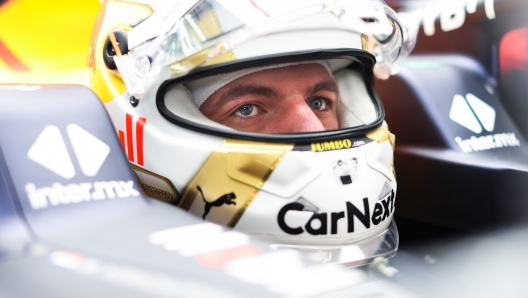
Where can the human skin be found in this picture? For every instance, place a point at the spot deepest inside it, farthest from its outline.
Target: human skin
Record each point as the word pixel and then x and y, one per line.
pixel 293 99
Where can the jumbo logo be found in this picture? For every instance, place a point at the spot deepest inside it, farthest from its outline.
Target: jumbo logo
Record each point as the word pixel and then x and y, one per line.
pixel 382 210
pixel 333 145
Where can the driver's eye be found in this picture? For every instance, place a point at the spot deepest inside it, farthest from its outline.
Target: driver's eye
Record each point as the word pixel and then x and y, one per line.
pixel 245 110
pixel 317 104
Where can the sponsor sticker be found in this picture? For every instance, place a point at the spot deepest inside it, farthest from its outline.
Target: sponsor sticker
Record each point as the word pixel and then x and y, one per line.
pixel 476 115
pixel 49 151
pixel 226 199
pixel 383 209
pixel 333 144
pixel 499 140
pixel 58 194
pixel 156 186
pixel 452 14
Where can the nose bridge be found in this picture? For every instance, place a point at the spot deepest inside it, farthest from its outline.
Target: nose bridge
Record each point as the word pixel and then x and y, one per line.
pixel 297 116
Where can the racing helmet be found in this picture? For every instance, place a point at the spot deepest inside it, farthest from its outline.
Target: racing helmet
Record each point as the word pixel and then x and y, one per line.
pixel 156 64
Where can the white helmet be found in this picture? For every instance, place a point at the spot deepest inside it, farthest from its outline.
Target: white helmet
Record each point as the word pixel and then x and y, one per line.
pixel 326 190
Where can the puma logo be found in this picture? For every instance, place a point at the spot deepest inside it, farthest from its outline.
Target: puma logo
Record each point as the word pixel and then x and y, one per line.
pixel 225 199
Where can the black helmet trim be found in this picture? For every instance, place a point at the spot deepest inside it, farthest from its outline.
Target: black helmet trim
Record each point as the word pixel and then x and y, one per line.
pixel 364 61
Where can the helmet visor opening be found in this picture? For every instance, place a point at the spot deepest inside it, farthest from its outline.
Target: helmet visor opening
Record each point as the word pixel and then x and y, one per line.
pixel 297 97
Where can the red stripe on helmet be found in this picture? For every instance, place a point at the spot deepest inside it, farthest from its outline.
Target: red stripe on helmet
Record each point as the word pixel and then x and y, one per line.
pixel 130 144
pixel 122 139
pixel 139 139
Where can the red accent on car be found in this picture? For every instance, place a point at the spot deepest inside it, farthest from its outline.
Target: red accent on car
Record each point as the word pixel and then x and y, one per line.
pixel 513 51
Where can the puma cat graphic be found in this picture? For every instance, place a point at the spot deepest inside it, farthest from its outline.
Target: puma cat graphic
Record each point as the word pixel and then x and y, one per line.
pixel 225 199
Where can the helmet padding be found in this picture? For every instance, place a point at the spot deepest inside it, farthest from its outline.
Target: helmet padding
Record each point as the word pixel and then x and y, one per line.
pixel 354 106
pixel 202 88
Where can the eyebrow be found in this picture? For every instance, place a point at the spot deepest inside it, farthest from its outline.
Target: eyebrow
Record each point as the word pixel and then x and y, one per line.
pixel 242 90
pixel 325 85
pixel 250 89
